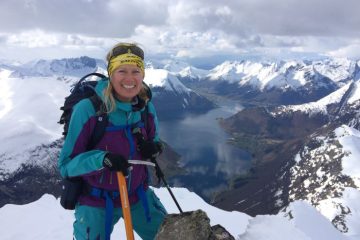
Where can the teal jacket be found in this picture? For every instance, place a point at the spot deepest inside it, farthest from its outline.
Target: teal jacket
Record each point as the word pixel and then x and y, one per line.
pixel 76 160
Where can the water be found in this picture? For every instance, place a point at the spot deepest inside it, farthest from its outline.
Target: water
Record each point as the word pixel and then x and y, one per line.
pixel 209 160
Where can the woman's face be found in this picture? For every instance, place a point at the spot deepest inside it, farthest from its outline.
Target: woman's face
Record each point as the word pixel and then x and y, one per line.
pixel 127 82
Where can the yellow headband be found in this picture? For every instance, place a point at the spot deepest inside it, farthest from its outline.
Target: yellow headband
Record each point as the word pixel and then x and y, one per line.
pixel 127 58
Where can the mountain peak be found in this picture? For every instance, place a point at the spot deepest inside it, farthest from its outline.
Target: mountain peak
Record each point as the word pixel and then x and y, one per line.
pixel 66 66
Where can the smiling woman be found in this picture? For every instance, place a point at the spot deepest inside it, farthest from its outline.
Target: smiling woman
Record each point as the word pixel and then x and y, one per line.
pixel 100 168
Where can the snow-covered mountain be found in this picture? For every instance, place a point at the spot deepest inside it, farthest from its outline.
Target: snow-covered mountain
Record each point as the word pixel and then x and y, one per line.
pixel 346 95
pixel 171 97
pixel 269 83
pixel 60 67
pixel 327 175
pixel 303 152
pixel 185 70
pixel 338 69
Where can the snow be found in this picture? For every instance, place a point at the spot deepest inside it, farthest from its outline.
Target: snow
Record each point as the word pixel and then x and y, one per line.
pixel 184 69
pixel 193 72
pixel 297 158
pixel 336 69
pixel 321 105
pixel 262 75
pixel 227 70
pixel 29 111
pixel 305 217
pixel 69 66
pixel 46 219
pixel 267 75
pixel 164 79
pixel 349 138
pixel 355 94
pixel 350 200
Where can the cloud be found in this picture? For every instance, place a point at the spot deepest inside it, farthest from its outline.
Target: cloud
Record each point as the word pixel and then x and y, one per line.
pixel 350 51
pixel 276 17
pixel 113 18
pixel 183 28
pixel 105 18
pixel 37 43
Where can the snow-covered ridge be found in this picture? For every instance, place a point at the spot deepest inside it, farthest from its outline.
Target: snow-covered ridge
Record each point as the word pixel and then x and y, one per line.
pixel 265 75
pixel 268 75
pixel 327 175
pixel 58 67
pixel 300 222
pixel 185 70
pixel 260 75
pixel 164 79
pixel 322 104
pixel 336 69
pixel 349 138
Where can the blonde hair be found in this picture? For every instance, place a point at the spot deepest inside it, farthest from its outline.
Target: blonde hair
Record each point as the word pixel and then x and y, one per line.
pixel 109 98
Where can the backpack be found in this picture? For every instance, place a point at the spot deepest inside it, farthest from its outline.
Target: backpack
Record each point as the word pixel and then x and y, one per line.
pixel 85 89
pixel 73 187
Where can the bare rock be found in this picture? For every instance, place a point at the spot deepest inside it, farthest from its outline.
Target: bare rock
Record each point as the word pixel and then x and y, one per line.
pixel 220 233
pixel 193 225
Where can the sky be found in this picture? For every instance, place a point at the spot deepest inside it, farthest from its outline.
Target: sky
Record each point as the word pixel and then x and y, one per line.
pixel 199 31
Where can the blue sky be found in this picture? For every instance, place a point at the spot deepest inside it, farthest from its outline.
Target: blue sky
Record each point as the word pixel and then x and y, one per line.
pixel 197 30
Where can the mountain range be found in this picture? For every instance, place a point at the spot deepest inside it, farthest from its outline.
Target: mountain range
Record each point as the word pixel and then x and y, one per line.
pixel 270 83
pixel 306 151
pixel 300 124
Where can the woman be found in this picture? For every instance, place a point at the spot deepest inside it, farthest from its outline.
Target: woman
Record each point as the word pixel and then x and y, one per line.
pixel 124 97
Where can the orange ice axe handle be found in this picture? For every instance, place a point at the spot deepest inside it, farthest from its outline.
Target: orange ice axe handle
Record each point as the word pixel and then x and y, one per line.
pixel 125 206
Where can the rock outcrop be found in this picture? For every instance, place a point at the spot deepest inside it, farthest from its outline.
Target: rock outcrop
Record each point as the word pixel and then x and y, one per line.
pixel 194 225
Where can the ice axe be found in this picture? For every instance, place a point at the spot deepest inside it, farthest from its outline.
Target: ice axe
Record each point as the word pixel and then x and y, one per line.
pixel 125 206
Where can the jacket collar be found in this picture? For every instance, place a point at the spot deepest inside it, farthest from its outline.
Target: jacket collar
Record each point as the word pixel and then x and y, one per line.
pixel 136 105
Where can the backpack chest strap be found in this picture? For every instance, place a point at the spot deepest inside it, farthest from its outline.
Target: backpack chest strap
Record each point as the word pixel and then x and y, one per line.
pixel 128 132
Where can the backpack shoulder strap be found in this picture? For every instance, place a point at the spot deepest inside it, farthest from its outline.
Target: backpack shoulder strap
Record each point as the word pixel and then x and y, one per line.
pixel 144 118
pixel 99 75
pixel 102 121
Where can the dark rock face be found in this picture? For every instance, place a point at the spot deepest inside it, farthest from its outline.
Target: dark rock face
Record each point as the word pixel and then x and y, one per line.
pixel 193 225
pixel 32 179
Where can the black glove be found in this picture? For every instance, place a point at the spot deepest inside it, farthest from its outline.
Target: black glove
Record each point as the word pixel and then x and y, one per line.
pixel 116 162
pixel 150 149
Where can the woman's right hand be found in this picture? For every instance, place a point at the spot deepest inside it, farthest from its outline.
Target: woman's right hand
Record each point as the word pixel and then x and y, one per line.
pixel 116 162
